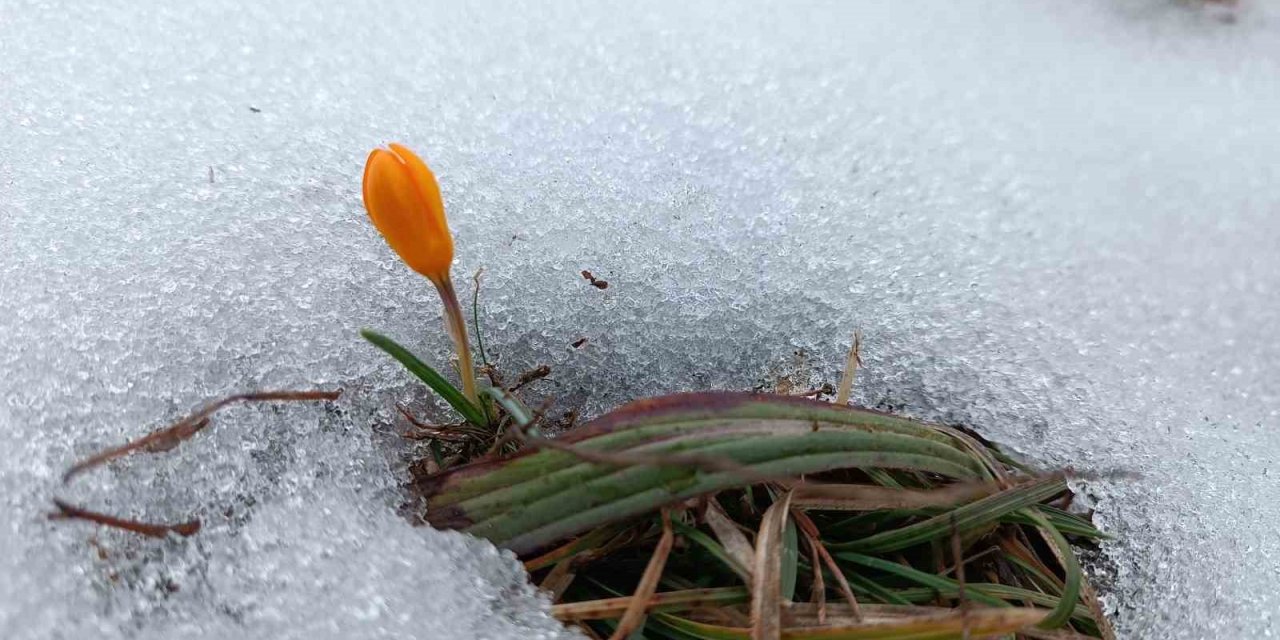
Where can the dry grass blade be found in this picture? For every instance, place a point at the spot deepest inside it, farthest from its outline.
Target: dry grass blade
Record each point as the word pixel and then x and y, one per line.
pixel 850 370
pixel 558 579
pixel 839 614
pixel 917 623
pixel 819 589
pixel 979 623
pixel 766 573
pixel 635 612
pixel 729 535
pixel 590 543
pixel 176 433
pixel 810 531
pixel 67 511
pixel 866 497
pixel 687 599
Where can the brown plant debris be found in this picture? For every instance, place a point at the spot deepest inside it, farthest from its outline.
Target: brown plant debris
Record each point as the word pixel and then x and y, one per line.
pixel 595 282
pixel 171 436
pixel 67 511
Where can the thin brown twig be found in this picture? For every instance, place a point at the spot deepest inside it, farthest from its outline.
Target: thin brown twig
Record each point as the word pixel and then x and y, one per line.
pixel 426 431
pixel 810 530
pixel 970 560
pixel 825 389
pixel 537 373
pixel 819 587
pixel 404 411
pixel 187 427
pixel 491 372
pixel 648 582
pixel 67 511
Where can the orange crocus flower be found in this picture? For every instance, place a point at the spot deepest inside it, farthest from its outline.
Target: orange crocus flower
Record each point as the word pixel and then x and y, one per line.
pixel 403 200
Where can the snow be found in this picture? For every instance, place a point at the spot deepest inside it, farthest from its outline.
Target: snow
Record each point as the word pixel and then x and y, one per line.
pixel 1055 222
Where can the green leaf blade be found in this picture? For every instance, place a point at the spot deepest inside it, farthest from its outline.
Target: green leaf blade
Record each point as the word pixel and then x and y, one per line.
pixel 430 376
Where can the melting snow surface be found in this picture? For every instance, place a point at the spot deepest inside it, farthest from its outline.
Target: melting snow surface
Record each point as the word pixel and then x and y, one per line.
pixel 1056 222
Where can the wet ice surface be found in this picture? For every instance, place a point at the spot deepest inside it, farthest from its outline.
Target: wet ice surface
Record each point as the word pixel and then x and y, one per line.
pixel 1056 222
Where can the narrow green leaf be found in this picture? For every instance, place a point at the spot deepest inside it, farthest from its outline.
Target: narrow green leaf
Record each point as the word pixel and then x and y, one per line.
pixel 509 486
pixel 716 549
pixel 882 478
pixel 965 518
pixel 475 321
pixel 1035 576
pixel 919 577
pixel 632 491
pixel 670 416
pixel 1071 586
pixel 876 590
pixel 514 407
pixel 997 595
pixel 1064 521
pixel 1080 615
pixel 437 382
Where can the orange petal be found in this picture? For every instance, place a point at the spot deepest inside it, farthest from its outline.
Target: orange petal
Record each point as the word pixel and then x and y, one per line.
pixel 403 200
pixel 423 176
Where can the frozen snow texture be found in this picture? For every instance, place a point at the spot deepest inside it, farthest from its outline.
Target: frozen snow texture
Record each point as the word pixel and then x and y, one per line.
pixel 1056 222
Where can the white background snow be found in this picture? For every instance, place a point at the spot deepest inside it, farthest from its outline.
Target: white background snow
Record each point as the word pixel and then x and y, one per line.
pixel 1056 222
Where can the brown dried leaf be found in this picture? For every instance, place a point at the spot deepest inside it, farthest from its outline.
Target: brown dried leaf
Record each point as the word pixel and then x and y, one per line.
pixel 687 599
pixel 766 573
pixel 729 535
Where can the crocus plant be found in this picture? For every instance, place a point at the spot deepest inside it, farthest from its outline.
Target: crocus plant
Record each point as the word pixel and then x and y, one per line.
pixel 403 200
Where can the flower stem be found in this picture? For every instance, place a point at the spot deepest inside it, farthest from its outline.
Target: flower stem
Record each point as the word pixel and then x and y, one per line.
pixel 458 331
